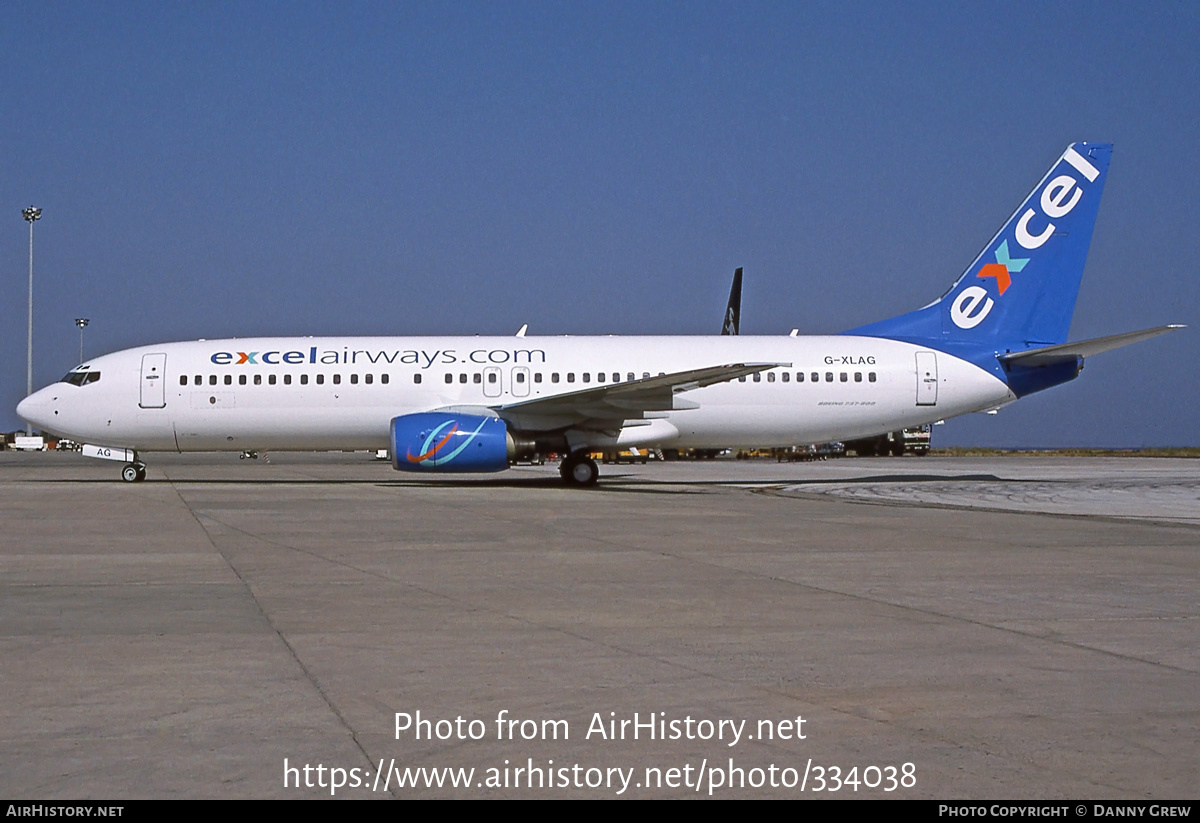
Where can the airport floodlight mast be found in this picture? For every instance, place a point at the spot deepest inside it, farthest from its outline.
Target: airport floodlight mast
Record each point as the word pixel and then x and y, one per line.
pixel 81 322
pixel 30 214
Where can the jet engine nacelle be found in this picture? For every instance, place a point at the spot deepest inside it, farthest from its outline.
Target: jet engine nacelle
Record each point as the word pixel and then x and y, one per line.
pixel 443 442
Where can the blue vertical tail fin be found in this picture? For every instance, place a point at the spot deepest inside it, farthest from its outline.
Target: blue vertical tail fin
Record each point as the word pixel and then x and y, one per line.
pixel 1020 291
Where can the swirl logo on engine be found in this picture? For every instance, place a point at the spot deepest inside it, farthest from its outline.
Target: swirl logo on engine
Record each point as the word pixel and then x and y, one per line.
pixel 429 455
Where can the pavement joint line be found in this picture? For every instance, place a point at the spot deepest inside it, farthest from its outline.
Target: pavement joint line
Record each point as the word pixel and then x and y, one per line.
pixel 523 619
pixel 776 491
pixel 308 674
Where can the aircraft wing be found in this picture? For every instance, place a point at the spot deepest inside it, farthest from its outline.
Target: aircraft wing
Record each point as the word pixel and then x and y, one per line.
pixel 608 407
pixel 1084 348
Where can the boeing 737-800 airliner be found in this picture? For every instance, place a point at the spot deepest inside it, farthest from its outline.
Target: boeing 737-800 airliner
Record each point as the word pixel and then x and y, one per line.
pixel 471 404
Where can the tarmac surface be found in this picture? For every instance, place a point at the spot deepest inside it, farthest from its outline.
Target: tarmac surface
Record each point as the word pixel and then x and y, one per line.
pixel 947 628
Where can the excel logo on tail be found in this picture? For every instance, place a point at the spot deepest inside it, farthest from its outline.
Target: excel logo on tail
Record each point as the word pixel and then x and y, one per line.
pixel 973 303
pixel 1003 268
pixel 1029 232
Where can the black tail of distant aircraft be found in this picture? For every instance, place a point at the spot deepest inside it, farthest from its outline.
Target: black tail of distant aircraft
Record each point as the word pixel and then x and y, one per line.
pixel 733 311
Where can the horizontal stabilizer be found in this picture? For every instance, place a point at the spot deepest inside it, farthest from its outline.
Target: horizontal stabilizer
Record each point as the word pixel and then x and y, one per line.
pixel 1083 348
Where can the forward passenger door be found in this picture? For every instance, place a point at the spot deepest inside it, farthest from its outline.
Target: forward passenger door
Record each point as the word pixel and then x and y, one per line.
pixel 154 381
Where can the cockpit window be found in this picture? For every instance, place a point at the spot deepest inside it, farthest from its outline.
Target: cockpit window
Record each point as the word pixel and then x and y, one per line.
pixel 81 378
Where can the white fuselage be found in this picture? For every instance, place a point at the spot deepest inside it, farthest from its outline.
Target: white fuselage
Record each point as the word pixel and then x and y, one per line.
pixel 342 393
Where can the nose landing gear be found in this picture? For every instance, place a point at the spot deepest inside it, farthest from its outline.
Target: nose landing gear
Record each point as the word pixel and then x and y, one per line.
pixel 133 472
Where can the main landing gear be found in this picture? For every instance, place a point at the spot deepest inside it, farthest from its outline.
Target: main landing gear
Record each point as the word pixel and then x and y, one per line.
pixel 133 472
pixel 579 470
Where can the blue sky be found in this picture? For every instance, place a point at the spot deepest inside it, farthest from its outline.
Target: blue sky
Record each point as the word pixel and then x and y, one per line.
pixel 253 168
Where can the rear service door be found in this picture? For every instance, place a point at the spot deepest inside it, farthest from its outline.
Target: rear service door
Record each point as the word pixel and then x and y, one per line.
pixel 927 379
pixel 154 381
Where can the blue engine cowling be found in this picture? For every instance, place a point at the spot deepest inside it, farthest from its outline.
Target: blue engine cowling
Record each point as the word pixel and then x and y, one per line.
pixel 442 442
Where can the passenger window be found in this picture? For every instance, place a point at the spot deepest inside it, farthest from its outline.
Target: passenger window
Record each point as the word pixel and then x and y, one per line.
pixel 368 379
pixel 630 377
pixel 241 379
pixel 462 378
pixel 858 377
pixel 304 380
pixel 786 376
pixel 416 378
pixel 287 380
pixel 537 377
pixel 770 377
pixel 758 377
pixel 587 377
pixel 198 381
pixel 182 379
pixel 570 377
pixel 844 377
pixel 816 377
pixel 337 380
pixel 258 379
pixel 828 377
pixel 383 378
pixel 799 377
pixel 271 380
pixel 449 378
pixel 320 380
pixel 554 377
pixel 871 377
pixel 212 380
pixel 491 377
pixel 354 379
pixel 520 377
pixel 229 380
pixel 742 379
pixel 477 378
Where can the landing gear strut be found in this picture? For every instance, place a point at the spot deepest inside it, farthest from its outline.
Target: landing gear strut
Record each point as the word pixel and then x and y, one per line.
pixel 579 470
pixel 133 472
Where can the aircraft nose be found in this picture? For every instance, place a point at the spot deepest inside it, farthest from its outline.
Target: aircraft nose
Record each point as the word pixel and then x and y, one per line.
pixel 34 407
